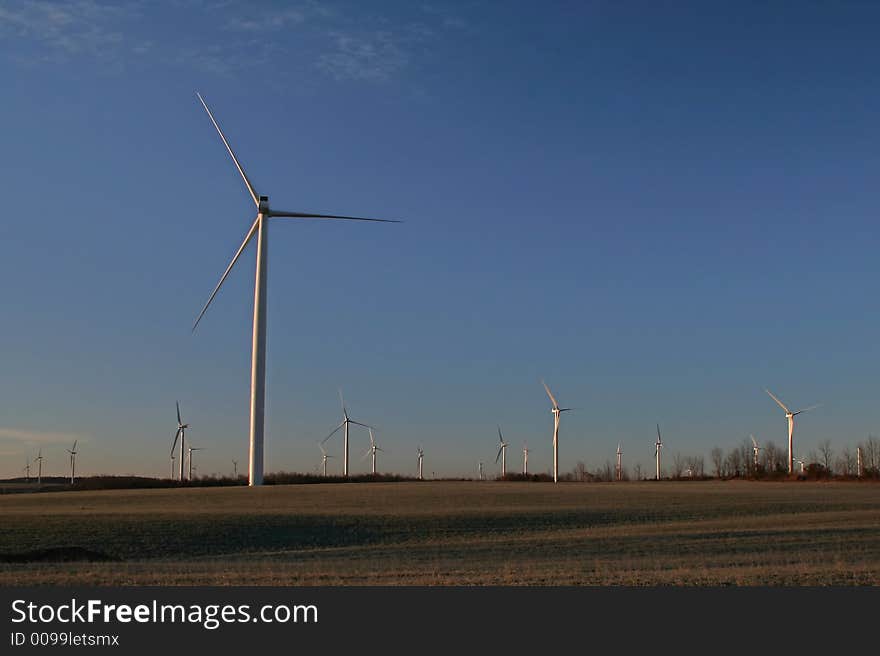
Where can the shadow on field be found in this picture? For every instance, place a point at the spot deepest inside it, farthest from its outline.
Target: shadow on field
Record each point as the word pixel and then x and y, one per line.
pixel 58 555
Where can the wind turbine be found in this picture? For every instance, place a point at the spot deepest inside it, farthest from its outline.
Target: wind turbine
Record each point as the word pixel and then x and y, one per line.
pixel 346 420
pixel 790 416
pixel 260 228
pixel 618 468
pixel 859 467
pixel 658 446
pixel 181 434
pixel 556 410
pixel 480 469
pixel 801 463
pixel 502 453
pixel 525 459
pixel 235 469
pixel 72 452
pixel 421 457
pixel 27 469
pixel 324 458
pixel 755 449
pixel 39 461
pixel 372 450
pixel 190 450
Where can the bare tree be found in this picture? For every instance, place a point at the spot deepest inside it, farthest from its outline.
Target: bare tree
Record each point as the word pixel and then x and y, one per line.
pixel 772 458
pixel 697 466
pixel 827 452
pixel 846 463
pixel 677 465
pixel 637 471
pixel 718 461
pixel 580 471
pixel 734 463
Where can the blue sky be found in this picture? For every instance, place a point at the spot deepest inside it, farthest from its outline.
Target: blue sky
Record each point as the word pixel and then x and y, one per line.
pixel 661 210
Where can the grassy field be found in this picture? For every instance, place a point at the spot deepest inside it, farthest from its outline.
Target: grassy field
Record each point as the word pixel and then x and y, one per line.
pixel 455 533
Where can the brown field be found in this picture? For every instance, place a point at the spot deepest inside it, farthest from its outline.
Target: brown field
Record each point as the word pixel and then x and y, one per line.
pixel 451 533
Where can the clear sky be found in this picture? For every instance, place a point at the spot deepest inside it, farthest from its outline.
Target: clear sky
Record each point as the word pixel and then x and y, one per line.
pixel 660 208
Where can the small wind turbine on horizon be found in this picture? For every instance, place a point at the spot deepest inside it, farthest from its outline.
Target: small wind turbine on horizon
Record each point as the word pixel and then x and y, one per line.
pixel 790 416
pixel 556 410
pixel 502 453
pixel 190 452
pixel 39 461
pixel 260 228
pixel 421 458
pixel 235 469
pixel 324 458
pixel 372 450
pixel 72 452
pixel 658 446
pixel 480 470
pixel 181 435
pixel 755 450
pixel 346 420
pixel 619 467
pixel 800 461
pixel 525 459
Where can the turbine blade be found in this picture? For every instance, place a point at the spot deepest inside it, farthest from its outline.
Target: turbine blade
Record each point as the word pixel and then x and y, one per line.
pixel 363 457
pixel 352 421
pixel 781 404
pixel 244 177
pixel 500 449
pixel 323 452
pixel 174 443
pixel 307 215
pixel 659 439
pixel 177 403
pixel 333 432
pixel 500 439
pixel 73 449
pixel 812 407
pixel 550 394
pixel 247 238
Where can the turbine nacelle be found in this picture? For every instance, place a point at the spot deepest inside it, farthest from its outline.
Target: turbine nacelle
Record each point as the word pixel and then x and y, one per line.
pixel 263 205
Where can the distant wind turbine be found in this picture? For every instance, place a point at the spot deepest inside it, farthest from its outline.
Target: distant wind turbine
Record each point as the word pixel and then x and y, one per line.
pixel 72 452
pixel 525 459
pixel 619 468
pixel 181 435
pixel 755 450
pixel 790 416
pixel 235 469
pixel 502 453
pixel 556 410
pixel 481 470
pixel 372 450
pixel 27 469
pixel 658 446
pixel 190 450
pixel 324 458
pixel 39 461
pixel 260 228
pixel 421 458
pixel 346 420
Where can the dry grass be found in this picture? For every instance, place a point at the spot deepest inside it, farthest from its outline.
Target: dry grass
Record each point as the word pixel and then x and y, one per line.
pixel 689 533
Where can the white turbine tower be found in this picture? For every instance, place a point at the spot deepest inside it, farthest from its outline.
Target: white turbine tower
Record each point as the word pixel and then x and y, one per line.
pixel 790 416
pixel 346 420
pixel 372 450
pixel 658 446
pixel 525 459
pixel 800 461
pixel 556 410
pixel 181 435
pixel 618 468
pixel 421 458
pixel 72 452
pixel 27 469
pixel 235 470
pixel 755 450
pixel 859 467
pixel 39 461
pixel 324 458
pixel 480 469
pixel 190 451
pixel 260 228
pixel 502 453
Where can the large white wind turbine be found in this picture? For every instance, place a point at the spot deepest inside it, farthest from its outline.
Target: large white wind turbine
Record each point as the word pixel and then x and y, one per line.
pixel 502 453
pixel 556 410
pixel 179 435
pixel 260 228
pixel 658 446
pixel 72 452
pixel 790 416
pixel 372 450
pixel 346 420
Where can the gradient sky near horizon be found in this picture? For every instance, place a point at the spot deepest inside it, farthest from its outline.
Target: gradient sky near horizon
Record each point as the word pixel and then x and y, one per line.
pixel 659 208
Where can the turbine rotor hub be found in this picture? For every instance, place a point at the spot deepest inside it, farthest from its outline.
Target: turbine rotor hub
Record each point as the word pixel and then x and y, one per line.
pixel 264 205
